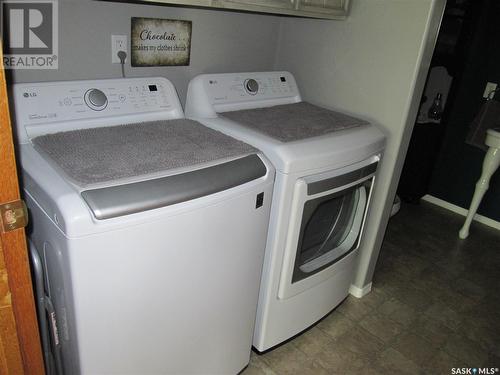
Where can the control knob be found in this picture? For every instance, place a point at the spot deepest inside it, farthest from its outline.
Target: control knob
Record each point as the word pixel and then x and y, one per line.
pixel 251 86
pixel 95 99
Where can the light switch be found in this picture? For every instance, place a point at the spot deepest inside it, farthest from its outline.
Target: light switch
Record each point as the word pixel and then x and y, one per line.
pixel 490 87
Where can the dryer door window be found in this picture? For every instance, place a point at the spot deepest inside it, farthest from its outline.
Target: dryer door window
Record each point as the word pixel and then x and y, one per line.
pixel 327 214
pixel 329 230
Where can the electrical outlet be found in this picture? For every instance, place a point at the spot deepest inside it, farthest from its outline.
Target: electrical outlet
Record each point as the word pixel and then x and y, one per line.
pixel 118 43
pixel 490 87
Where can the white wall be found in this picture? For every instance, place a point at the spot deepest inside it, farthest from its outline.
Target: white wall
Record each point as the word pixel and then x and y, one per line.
pixel 373 64
pixel 221 42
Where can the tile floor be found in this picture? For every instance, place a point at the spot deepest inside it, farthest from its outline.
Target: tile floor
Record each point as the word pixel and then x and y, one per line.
pixel 435 305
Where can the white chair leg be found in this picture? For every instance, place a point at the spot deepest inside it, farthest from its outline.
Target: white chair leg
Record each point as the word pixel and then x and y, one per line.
pixel 490 165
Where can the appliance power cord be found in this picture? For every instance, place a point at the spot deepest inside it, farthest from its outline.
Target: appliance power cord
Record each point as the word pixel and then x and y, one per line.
pixel 122 55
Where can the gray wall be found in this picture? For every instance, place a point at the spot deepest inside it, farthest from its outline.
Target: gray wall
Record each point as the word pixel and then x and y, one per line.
pixel 373 64
pixel 221 42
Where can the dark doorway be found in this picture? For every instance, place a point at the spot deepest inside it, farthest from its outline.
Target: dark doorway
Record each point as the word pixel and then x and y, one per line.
pixel 440 162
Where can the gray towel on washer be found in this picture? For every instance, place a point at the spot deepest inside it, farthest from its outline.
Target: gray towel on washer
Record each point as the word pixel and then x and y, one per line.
pixel 293 122
pixel 105 154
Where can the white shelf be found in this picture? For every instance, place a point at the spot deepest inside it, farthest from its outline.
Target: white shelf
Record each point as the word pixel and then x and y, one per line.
pixel 327 9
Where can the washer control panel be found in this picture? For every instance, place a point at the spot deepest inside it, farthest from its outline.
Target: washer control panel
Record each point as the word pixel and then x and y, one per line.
pixel 48 104
pixel 68 102
pixel 248 87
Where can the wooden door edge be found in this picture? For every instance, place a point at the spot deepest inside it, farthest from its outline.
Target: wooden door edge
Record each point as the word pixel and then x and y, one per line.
pixel 14 248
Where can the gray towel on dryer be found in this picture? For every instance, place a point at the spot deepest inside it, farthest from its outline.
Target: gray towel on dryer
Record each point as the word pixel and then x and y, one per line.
pixel 293 122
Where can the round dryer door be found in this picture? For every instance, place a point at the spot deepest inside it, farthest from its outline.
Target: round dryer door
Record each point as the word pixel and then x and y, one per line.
pixel 328 211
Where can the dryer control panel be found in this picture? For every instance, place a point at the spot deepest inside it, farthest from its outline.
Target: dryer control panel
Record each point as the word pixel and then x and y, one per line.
pixel 226 88
pixel 212 93
pixel 60 106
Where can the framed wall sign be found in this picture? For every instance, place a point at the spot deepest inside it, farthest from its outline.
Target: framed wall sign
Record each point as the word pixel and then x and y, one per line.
pixel 160 42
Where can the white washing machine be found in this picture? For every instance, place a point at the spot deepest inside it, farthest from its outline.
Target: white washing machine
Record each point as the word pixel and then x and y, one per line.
pixel 325 168
pixel 148 232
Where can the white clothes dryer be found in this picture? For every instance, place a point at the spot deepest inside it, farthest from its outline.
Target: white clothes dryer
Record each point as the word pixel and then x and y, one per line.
pixel 325 163
pixel 148 230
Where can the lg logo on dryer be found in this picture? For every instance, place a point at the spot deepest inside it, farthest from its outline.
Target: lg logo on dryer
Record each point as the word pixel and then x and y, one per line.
pixel 29 31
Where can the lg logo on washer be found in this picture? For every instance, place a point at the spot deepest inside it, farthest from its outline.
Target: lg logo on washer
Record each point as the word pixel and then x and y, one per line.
pixel 29 32
pixel 29 94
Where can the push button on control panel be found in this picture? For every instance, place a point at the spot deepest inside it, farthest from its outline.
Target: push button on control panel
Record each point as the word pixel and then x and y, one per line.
pixel 96 99
pixel 251 86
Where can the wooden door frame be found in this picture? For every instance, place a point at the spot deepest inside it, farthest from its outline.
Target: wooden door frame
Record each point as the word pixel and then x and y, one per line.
pixel 20 348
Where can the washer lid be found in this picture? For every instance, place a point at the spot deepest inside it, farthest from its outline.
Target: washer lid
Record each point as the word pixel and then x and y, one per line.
pixel 115 201
pixel 106 155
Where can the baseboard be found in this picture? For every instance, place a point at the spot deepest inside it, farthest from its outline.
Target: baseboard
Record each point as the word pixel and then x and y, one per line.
pixel 360 292
pixel 461 211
